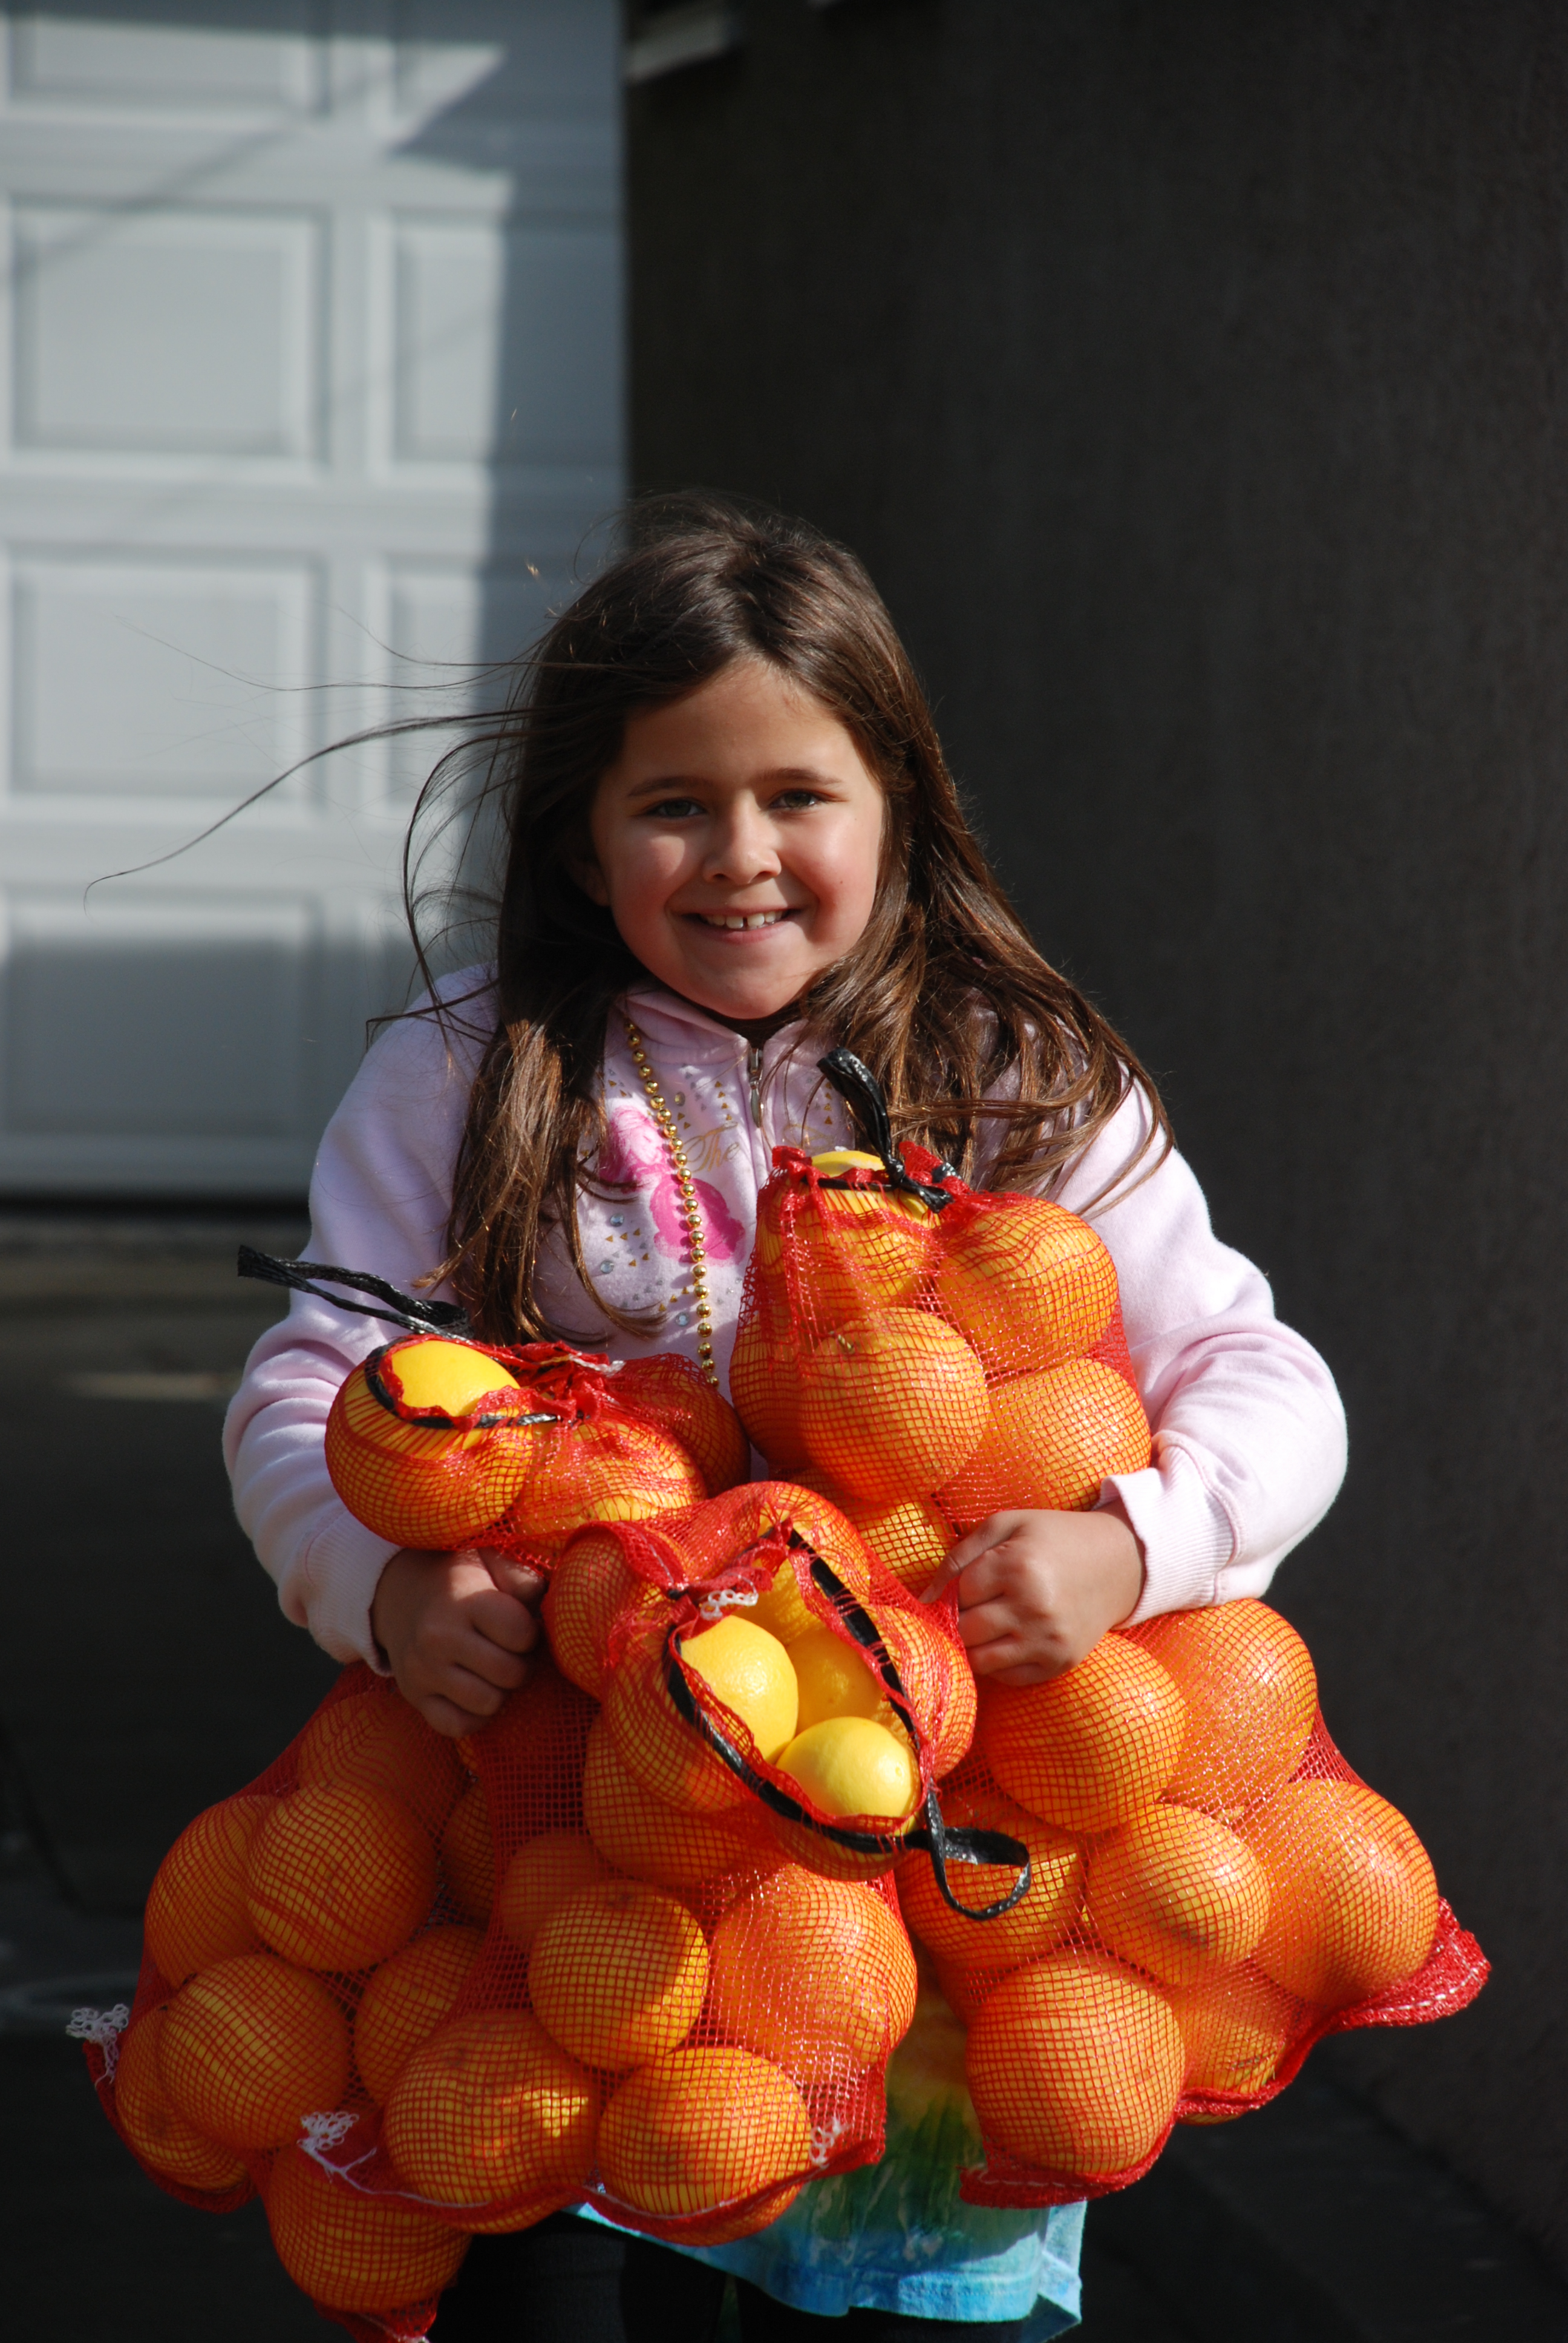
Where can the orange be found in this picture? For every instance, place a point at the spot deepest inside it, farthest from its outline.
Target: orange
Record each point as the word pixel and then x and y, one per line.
pixel 377 1738
pixel 910 1538
pixel 351 2251
pixel 686 1405
pixel 762 1385
pixel 489 2108
pixel 1039 1920
pixel 406 2000
pixel 174 2147
pixel 666 1845
pixel 782 1607
pixel 938 1680
pixel 467 1858
pixel 1029 1286
pixel 1237 2026
pixel 1176 1893
pixel 751 1673
pixel 611 1468
pixel 893 1403
pixel 542 1872
pixel 1252 1697
pixel 251 2046
pixel 1076 2066
pixel 1051 1441
pixel 1354 1902
pixel 339 1876
pixel 967 1991
pixel 815 1974
pixel 854 1249
pixel 429 1485
pixel 702 2128
pixel 742 2220
pixel 587 1586
pixel 720 1531
pixel 833 1679
pixel 618 1973
pixel 1090 1747
pixel 196 1911
pixel 654 1742
pixel 852 1766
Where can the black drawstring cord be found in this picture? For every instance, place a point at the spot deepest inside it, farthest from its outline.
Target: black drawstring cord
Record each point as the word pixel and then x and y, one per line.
pixel 859 1087
pixel 419 1317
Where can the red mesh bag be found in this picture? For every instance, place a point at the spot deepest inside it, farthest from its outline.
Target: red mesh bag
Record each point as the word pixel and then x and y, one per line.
pixel 1209 1887
pixel 412 1990
pixel 1212 1891
pixel 927 1354
pixel 438 1441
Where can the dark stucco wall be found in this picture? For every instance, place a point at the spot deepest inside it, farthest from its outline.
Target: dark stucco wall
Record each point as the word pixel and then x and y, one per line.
pixel 1195 381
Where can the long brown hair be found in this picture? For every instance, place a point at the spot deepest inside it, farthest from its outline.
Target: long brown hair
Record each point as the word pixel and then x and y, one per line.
pixel 944 996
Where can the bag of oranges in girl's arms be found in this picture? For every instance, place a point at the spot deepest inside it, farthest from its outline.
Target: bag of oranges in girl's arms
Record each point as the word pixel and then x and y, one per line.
pixel 647 1956
pixel 438 1441
pixel 1210 1889
pixel 925 1354
pixel 1213 1890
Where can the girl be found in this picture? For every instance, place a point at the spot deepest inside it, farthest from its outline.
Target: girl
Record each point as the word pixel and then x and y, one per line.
pixel 733 842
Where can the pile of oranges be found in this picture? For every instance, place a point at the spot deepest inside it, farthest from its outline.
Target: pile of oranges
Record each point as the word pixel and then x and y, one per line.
pixel 773 1660
pixel 1195 1909
pixel 610 1995
pixel 927 1368
pixel 642 1942
pixel 436 1443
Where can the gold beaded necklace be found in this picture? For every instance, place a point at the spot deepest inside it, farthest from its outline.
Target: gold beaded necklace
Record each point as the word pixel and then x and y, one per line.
pixel 690 1211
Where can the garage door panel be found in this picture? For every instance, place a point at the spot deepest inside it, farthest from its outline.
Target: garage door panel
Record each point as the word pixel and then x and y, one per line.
pixel 310 395
pixel 163 679
pixel 114 56
pixel 180 332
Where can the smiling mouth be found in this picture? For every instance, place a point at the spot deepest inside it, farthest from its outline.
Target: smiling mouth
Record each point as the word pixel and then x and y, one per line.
pixel 730 921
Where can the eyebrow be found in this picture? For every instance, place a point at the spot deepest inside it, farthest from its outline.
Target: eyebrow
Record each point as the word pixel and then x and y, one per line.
pixel 669 782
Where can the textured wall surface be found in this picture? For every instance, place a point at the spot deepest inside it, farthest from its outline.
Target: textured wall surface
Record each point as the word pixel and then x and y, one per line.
pixel 1195 382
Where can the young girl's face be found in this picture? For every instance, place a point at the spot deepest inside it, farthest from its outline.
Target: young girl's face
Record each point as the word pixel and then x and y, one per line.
pixel 737 842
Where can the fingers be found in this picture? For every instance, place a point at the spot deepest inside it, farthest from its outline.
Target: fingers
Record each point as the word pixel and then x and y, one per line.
pixel 988 1623
pixel 520 1580
pixel 993 1531
pixel 502 1620
pixel 455 1704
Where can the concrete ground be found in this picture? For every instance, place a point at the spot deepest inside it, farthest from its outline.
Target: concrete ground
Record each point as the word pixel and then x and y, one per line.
pixel 146 1670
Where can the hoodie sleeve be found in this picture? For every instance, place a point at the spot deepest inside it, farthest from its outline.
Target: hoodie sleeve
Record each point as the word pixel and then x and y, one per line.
pixel 379 1196
pixel 1249 1431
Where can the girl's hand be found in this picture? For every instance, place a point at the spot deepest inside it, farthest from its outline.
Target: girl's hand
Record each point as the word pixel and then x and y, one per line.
pixel 457 1629
pixel 1038 1590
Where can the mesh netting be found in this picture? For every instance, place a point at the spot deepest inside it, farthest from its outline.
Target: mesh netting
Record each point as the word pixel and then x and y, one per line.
pixel 436 1442
pixel 644 1942
pixel 1213 1890
pixel 926 1368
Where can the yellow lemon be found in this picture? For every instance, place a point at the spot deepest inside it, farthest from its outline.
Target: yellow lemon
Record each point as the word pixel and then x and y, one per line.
pixel 834 1680
pixel 848 1765
pixel 750 1672
pixel 449 1375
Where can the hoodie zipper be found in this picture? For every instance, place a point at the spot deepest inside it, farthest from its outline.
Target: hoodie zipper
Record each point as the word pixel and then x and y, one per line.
pixel 754 1076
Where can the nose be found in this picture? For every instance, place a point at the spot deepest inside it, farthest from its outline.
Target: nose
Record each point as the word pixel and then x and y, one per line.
pixel 742 849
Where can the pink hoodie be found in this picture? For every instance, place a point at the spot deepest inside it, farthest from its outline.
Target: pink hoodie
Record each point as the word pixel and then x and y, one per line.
pixel 1249 1433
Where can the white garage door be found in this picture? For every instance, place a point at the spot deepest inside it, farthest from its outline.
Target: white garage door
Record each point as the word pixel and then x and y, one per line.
pixel 312 386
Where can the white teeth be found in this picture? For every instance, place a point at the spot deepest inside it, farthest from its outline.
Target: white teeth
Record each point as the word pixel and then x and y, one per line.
pixel 748 919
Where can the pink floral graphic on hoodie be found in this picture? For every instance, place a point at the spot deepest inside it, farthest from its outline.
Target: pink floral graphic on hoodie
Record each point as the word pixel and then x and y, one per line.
pixel 635 1154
